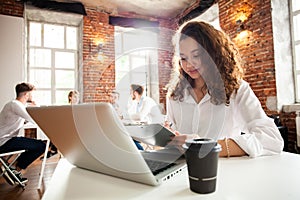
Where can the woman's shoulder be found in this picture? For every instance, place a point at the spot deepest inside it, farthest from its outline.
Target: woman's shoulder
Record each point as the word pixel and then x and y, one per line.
pixel 244 85
pixel 245 91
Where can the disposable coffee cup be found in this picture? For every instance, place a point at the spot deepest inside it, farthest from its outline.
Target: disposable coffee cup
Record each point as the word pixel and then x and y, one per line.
pixel 202 161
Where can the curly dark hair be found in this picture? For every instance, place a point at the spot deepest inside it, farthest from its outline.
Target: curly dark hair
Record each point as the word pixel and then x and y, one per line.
pixel 222 59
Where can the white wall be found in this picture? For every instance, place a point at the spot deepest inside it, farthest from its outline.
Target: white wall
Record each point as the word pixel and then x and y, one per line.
pixel 11 56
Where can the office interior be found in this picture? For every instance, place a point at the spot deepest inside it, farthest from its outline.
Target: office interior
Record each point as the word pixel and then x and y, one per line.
pixel 262 30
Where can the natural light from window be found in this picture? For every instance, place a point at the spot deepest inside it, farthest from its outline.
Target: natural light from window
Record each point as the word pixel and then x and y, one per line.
pixel 52 58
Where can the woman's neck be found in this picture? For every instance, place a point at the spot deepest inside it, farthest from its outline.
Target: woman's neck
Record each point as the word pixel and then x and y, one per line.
pixel 199 91
pixel 199 83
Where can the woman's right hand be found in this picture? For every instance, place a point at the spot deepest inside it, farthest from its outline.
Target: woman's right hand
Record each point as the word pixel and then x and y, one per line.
pixel 168 125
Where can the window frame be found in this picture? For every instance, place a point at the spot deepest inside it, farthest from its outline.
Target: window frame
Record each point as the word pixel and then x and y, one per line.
pixel 62 19
pixel 149 73
pixel 294 43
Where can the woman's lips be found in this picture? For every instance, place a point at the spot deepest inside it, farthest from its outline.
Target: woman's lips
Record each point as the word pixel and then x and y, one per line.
pixel 194 71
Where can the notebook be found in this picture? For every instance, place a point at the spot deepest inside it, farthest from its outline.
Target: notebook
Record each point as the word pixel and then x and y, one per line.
pixel 152 134
pixel 91 136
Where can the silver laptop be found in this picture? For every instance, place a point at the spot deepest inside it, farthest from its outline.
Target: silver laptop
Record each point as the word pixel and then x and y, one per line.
pixel 91 136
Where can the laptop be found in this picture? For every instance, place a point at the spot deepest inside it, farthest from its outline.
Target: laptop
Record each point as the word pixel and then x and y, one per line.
pixel 92 136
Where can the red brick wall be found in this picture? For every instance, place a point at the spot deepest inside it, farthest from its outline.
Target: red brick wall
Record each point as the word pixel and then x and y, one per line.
pixel 257 48
pixel 288 120
pixel 98 74
pixel 12 8
pixel 165 56
pixel 257 52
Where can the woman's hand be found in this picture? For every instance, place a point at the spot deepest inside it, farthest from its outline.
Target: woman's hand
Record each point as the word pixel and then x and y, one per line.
pixel 178 139
pixel 168 125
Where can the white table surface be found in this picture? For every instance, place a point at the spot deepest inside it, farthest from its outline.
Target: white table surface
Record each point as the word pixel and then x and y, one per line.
pixel 269 177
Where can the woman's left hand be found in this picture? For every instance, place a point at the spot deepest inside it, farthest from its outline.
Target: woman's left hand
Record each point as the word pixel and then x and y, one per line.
pixel 178 139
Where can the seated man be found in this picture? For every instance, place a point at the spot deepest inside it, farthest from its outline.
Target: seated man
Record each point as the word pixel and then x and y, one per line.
pixel 143 108
pixel 12 118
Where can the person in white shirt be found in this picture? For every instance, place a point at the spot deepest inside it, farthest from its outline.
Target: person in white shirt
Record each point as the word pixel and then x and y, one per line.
pixel 143 108
pixel 208 97
pixel 12 119
pixel 73 97
pixel 114 101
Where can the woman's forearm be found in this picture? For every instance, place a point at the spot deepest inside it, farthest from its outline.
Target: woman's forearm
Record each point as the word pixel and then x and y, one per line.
pixel 230 148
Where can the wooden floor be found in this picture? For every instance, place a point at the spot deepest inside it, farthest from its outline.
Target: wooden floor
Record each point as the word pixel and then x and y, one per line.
pixel 8 192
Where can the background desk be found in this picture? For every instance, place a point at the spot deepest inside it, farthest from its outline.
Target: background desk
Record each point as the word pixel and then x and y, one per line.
pixel 270 177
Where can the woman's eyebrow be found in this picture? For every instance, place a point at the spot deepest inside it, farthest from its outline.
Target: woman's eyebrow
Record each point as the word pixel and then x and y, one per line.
pixel 193 51
pixel 196 50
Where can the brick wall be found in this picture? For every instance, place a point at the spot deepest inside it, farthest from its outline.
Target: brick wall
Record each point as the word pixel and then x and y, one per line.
pixel 98 69
pixel 257 52
pixel 256 48
pixel 288 120
pixel 165 56
pixel 12 8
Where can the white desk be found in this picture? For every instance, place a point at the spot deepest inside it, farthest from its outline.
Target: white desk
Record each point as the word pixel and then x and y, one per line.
pixel 274 177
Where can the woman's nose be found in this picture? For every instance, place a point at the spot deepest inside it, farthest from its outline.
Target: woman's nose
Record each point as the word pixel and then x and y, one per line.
pixel 190 64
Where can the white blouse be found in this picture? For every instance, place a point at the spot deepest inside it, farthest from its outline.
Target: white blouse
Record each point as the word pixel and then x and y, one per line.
pixel 243 115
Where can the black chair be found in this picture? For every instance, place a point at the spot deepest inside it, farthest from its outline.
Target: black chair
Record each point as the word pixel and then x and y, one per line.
pixel 282 129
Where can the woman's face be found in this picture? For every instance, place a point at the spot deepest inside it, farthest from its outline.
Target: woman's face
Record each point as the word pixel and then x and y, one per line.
pixel 74 99
pixel 190 57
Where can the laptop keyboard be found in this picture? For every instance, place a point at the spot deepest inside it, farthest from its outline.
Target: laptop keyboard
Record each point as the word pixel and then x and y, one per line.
pixel 158 166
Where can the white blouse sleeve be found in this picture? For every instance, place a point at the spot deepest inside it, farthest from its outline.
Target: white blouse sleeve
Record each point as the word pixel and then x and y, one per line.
pixel 262 136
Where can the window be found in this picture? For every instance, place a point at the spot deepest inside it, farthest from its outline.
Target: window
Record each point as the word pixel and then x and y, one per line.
pixel 295 26
pixel 52 61
pixel 53 55
pixel 136 62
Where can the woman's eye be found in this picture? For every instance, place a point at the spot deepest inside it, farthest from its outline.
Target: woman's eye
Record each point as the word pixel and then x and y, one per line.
pixel 196 55
pixel 183 61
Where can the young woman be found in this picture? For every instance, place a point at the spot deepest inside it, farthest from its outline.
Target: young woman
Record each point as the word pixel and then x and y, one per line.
pixel 73 97
pixel 208 97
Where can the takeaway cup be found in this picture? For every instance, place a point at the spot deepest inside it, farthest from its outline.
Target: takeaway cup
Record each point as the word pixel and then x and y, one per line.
pixel 202 161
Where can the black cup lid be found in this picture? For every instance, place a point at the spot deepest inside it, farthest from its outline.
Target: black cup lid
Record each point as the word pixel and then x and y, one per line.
pixel 209 143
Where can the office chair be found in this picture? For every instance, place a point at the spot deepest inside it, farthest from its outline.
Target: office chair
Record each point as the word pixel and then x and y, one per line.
pixel 4 159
